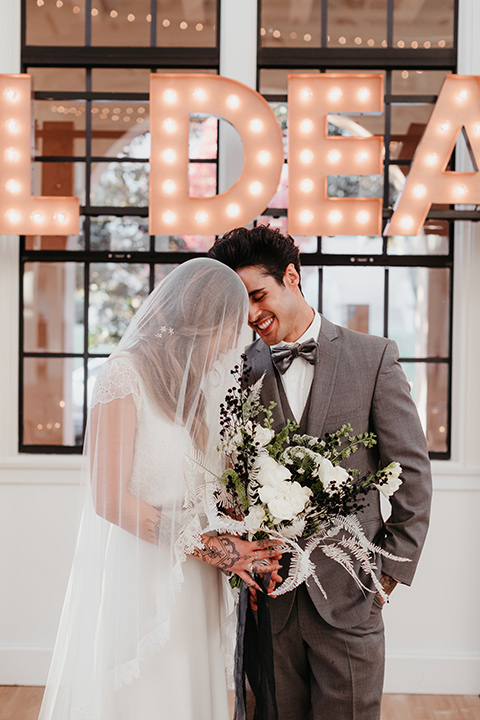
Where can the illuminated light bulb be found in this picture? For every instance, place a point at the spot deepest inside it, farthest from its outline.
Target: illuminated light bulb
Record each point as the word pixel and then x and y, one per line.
pixel 37 217
pixel 13 187
pixel 255 188
pixel 201 217
pixel 200 94
pixel 462 95
pixel 264 157
pixel 13 216
pixel 306 216
pixel 444 127
pixel 233 102
pixel 166 22
pixel 130 17
pixel 169 187
pixel 335 94
pixel 335 216
pixel 170 125
pixel 334 156
pixel 256 125
pixel 431 159
pixel 461 191
pixel 12 126
pixel 11 94
pixel 407 222
pixel 363 94
pixel 169 217
pixel 419 190
pixel 61 217
pixel 306 156
pixel 306 126
pixel 233 210
pixel 363 217
pixel 306 185
pixel 306 94
pixel 170 96
pixel 362 156
pixel 476 128
pixel 169 156
pixel 12 155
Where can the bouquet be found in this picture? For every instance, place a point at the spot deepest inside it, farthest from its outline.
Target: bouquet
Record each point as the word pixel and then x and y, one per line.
pixel 292 486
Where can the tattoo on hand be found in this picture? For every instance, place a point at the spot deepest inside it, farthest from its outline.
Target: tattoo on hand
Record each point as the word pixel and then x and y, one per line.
pixel 388 583
pixel 218 551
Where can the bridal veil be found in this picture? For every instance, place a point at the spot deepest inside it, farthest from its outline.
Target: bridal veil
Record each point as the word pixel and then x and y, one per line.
pixel 149 461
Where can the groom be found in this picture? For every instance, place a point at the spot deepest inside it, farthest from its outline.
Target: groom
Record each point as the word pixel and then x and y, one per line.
pixel 329 653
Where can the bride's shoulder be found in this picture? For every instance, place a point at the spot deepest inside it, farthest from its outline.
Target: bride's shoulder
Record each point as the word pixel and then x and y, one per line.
pixel 116 379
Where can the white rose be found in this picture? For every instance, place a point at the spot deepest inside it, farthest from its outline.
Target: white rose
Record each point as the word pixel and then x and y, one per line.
pixel 254 519
pixel 331 476
pixel 285 500
pixel 393 472
pixel 263 435
pixel 268 471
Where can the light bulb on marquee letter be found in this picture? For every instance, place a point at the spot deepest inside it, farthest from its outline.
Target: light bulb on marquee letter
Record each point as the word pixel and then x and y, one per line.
pixel 172 99
pixel 428 180
pixel 19 212
pixel 329 93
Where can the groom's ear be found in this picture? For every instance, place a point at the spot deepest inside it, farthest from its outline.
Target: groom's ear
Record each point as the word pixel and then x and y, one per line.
pixel 291 278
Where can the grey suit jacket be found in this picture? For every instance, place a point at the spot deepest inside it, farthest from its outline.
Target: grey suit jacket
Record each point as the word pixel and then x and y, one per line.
pixel 358 380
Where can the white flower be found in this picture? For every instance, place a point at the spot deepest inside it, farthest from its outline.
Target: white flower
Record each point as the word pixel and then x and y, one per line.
pixel 255 518
pixel 331 476
pixel 285 500
pixel 263 435
pixel 393 472
pixel 267 471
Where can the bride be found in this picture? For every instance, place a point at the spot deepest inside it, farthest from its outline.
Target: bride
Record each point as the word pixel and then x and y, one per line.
pixel 144 629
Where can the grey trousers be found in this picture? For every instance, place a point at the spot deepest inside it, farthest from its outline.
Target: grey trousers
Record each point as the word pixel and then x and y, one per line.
pixel 326 673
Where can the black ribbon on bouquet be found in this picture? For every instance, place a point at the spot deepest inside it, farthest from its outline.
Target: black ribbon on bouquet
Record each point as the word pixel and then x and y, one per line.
pixel 254 656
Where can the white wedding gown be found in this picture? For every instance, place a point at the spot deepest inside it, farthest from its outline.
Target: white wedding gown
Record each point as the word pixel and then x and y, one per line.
pixel 136 640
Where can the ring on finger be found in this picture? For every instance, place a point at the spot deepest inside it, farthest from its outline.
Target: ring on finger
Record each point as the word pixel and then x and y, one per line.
pixel 251 568
pixel 255 555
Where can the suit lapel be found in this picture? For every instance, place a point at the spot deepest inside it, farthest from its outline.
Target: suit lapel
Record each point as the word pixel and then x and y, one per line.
pixel 324 378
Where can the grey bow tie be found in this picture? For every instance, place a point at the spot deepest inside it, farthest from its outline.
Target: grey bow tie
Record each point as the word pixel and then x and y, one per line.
pixel 284 356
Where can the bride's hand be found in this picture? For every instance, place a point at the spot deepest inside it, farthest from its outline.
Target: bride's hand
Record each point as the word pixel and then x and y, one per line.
pixel 242 557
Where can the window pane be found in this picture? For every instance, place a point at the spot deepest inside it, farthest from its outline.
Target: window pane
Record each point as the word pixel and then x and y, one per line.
pixel 54 79
pixel 186 24
pixel 311 285
pixel 417 82
pixel 419 311
pixel 59 128
pixel 134 80
pixel 352 245
pixel 295 24
pixel 424 24
pixel 52 387
pixel 120 129
pixel 119 233
pixel 433 239
pixel 408 125
pixel 203 140
pixel 353 297
pixel 353 26
pixel 116 293
pixel 202 179
pixel 430 388
pixel 183 243
pixel 128 24
pixel 55 23
pixel 161 271
pixel 280 199
pixel 119 184
pixel 53 307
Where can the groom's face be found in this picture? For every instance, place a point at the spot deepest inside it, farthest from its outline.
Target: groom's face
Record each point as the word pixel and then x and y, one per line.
pixel 273 308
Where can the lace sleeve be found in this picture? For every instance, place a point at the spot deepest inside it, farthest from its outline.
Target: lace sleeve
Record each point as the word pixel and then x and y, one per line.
pixel 117 379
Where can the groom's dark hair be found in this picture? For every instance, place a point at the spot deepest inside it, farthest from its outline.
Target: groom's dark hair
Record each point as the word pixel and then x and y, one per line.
pixel 261 245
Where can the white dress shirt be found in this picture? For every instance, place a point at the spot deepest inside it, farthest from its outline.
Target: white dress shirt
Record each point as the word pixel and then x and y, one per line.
pixel 297 380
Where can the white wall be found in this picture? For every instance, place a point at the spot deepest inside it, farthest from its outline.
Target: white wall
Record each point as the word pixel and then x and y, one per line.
pixel 433 628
